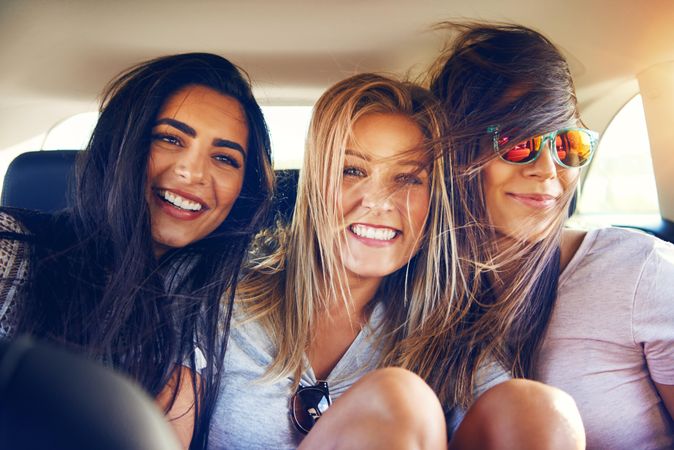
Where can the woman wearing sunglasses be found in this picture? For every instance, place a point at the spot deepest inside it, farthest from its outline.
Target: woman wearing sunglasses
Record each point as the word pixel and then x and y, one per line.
pixel 362 278
pixel 589 312
pixel 174 182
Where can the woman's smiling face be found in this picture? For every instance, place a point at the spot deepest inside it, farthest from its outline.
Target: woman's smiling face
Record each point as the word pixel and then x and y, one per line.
pixel 385 195
pixel 196 165
pixel 523 200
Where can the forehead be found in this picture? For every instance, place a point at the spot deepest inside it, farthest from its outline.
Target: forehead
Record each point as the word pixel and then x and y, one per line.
pixel 381 136
pixel 198 102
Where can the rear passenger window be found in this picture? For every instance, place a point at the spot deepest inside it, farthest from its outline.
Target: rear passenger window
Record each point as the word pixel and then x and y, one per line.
pixel 288 126
pixel 71 134
pixel 620 185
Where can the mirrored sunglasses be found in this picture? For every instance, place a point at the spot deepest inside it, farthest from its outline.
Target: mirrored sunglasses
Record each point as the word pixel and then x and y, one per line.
pixel 570 147
pixel 308 404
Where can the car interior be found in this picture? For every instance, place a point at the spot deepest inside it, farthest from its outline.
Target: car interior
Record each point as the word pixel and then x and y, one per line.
pixel 56 57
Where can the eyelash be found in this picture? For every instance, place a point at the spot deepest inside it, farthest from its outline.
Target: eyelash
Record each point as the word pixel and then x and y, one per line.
pixel 408 178
pixel 354 171
pixel 168 138
pixel 227 160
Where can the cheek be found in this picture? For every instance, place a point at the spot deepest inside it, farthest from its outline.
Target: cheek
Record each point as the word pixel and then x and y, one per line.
pixel 156 164
pixel 416 205
pixel 347 199
pixel 569 179
pixel 228 188
pixel 495 175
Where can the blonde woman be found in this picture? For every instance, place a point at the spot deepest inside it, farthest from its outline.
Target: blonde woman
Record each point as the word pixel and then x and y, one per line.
pixel 365 262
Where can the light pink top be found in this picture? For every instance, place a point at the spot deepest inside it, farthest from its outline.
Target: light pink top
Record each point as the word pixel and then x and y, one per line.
pixel 612 334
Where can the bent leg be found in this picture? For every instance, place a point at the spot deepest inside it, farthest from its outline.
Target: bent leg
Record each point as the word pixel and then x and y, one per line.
pixel 389 409
pixel 521 414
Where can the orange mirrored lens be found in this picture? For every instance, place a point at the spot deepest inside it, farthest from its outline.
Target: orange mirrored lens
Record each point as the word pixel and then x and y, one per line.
pixel 524 151
pixel 574 147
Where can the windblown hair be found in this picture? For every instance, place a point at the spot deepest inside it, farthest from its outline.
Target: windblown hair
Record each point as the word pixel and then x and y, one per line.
pixel 288 290
pixel 515 78
pixel 96 283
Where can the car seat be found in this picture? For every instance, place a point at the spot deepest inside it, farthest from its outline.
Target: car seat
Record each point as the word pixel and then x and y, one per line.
pixel 40 180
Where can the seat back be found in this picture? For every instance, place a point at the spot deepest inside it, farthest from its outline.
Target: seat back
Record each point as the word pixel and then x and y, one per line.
pixel 40 180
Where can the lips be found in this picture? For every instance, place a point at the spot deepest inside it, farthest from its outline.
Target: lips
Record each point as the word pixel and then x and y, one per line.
pixel 179 204
pixel 374 235
pixel 538 201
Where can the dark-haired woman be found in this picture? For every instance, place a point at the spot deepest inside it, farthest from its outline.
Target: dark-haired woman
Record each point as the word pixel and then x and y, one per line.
pixel 589 312
pixel 174 182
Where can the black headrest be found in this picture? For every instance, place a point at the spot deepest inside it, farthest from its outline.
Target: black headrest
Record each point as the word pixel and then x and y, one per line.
pixel 39 180
pixel 52 399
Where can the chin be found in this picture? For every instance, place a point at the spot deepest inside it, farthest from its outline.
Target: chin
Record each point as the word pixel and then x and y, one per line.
pixel 374 270
pixel 169 243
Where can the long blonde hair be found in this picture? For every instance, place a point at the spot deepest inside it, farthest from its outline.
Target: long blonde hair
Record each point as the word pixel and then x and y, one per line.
pixel 303 278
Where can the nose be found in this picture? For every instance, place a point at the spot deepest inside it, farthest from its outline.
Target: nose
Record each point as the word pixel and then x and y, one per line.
pixel 545 166
pixel 377 196
pixel 190 166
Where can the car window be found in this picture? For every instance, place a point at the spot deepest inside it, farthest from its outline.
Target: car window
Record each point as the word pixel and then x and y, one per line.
pixel 72 133
pixel 288 127
pixel 619 187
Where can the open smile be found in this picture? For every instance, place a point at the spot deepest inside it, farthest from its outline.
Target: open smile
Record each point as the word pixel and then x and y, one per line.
pixel 371 234
pixel 178 205
pixel 179 201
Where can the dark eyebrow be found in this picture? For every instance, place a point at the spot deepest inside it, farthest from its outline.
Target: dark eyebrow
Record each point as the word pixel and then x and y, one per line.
pixel 182 126
pixel 230 144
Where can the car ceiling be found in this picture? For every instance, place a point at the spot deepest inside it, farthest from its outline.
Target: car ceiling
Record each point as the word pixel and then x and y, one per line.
pixel 57 55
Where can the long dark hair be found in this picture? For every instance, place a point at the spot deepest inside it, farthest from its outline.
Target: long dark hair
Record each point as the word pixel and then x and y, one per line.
pixel 513 77
pixel 97 285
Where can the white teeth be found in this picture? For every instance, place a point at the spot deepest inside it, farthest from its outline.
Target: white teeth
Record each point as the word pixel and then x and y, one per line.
pixel 179 201
pixel 379 234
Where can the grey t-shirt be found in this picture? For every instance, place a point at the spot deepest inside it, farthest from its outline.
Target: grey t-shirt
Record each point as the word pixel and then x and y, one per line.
pixel 252 414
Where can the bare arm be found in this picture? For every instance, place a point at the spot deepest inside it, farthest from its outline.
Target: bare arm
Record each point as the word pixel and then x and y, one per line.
pixel 667 394
pixel 181 414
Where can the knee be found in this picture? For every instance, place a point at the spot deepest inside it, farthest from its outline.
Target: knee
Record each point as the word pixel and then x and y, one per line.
pixel 395 408
pixel 525 414
pixel 398 391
